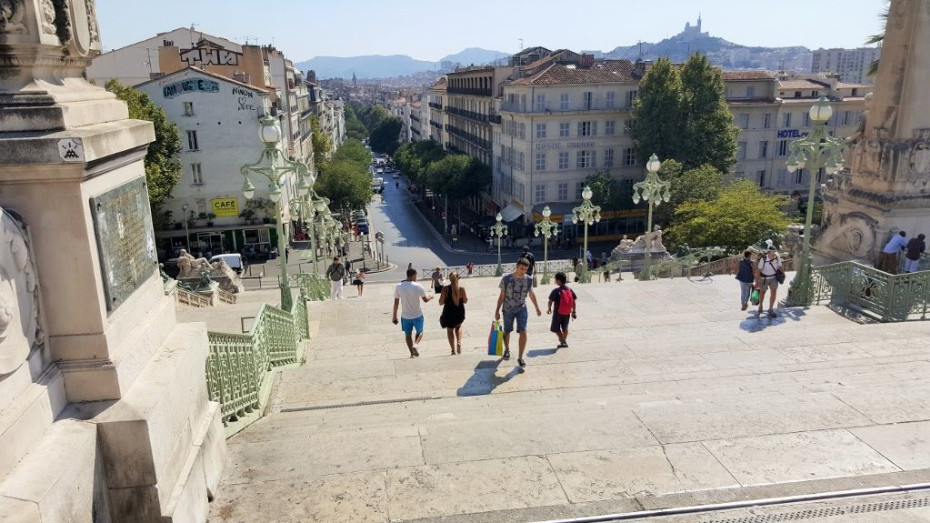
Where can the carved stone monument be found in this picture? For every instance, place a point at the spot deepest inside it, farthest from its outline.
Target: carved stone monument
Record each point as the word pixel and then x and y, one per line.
pixel 104 414
pixel 885 188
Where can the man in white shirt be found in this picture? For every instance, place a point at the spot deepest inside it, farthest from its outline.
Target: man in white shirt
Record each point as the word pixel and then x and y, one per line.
pixel 766 273
pixel 888 259
pixel 408 294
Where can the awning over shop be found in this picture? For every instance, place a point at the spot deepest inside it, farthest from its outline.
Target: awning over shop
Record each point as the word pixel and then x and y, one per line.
pixel 511 213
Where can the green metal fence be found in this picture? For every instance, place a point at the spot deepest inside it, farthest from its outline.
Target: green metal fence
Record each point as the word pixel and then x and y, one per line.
pixel 239 365
pixel 312 286
pixel 882 296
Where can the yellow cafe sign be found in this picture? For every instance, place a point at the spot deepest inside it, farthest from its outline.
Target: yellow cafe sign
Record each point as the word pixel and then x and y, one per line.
pixel 225 207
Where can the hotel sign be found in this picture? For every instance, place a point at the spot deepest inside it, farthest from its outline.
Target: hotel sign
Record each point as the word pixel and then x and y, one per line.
pixel 791 133
pixel 560 145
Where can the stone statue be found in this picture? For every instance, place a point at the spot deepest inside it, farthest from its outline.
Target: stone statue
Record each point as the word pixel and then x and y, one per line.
pixel 20 330
pixel 656 244
pixel 861 130
pixel 191 267
pixel 12 13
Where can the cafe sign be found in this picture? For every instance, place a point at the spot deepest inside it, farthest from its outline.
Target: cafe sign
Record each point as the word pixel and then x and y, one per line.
pixel 225 207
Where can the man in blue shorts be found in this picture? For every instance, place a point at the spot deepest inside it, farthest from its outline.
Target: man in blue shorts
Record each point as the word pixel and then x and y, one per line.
pixel 409 293
pixel 515 287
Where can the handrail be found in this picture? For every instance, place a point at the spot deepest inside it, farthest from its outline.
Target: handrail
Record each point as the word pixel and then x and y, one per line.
pixel 875 293
pixel 191 299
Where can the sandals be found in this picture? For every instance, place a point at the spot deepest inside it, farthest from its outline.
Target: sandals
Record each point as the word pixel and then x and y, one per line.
pixel 458 348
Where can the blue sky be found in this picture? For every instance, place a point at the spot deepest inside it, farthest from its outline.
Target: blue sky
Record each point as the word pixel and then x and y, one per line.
pixel 307 28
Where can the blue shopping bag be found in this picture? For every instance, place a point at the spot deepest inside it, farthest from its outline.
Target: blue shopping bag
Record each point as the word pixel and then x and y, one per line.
pixel 496 340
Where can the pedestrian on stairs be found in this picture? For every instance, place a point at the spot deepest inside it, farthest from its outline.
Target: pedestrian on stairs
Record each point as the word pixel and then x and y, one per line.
pixel 336 273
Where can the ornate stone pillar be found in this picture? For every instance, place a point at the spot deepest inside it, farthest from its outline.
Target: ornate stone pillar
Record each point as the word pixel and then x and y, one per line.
pixel 885 186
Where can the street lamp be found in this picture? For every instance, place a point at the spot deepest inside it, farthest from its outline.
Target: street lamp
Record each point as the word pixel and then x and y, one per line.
pixel 187 234
pixel 588 213
pixel 655 191
pixel 275 172
pixel 818 150
pixel 547 228
pixel 309 206
pixel 498 230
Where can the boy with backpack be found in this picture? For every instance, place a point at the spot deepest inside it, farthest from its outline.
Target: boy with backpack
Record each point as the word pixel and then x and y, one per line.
pixel 565 301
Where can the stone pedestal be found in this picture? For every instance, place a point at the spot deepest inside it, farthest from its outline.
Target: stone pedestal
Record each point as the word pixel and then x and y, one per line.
pixel 106 417
pixel 885 186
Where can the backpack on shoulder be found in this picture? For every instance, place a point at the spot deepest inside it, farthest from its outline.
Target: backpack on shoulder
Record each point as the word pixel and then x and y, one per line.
pixel 566 301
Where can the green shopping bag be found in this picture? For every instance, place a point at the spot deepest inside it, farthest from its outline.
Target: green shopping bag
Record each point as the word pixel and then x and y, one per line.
pixel 496 340
pixel 754 296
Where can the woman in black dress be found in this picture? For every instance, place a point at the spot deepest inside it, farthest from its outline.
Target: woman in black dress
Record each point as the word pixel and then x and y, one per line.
pixel 453 300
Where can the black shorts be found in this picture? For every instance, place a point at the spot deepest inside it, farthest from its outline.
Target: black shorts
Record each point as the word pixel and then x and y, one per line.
pixel 559 322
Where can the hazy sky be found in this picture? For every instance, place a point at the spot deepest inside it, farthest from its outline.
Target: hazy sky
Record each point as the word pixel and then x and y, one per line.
pixel 430 30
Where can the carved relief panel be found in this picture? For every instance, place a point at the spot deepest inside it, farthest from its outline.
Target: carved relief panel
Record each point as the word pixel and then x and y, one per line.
pixel 20 330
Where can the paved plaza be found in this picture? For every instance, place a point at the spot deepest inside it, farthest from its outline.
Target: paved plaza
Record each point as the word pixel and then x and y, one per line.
pixel 668 396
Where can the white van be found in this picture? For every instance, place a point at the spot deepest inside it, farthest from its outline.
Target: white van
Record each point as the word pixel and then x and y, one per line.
pixel 233 260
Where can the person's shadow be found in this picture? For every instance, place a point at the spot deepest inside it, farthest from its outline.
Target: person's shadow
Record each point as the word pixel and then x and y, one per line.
pixel 485 379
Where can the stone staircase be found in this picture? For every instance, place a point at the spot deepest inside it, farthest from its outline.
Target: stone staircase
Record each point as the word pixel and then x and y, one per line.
pixel 668 396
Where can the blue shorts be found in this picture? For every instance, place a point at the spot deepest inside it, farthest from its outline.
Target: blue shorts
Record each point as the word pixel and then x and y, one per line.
pixel 409 325
pixel 520 316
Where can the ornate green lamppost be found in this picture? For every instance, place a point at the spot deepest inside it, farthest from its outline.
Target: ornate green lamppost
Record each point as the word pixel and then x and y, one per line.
pixel 654 191
pixel 816 151
pixel 588 213
pixel 278 168
pixel 309 207
pixel 547 228
pixel 498 230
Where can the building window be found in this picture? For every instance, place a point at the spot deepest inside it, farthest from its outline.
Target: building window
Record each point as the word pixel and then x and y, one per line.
pixel 608 158
pixel 563 101
pixel 540 102
pixel 564 130
pixel 820 175
pixel 585 159
pixel 783 148
pixel 588 99
pixel 762 178
pixel 610 127
pixel 787 121
pixel 630 96
pixel 610 99
pixel 847 117
pixel 192 141
pixel 766 120
pixel 188 108
pixel 807 119
pixel 579 188
pixel 587 128
pixel 196 174
pixel 629 156
pixel 563 192
pixel 782 178
pixel 540 192
pixel 764 149
pixel 741 154
pixel 540 130
pixel 798 176
pixel 750 92
pixel 744 120
pixel 815 94
pixel 540 161
pixel 563 160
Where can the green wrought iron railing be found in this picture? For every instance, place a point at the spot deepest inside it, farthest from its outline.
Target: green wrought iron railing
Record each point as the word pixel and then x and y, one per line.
pixel 312 286
pixel 239 365
pixel 874 293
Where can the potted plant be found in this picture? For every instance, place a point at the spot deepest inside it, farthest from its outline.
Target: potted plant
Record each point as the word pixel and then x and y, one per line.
pixel 210 218
pixel 201 219
pixel 248 215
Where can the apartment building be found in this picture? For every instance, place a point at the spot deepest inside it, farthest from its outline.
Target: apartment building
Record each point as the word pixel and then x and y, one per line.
pixel 437 119
pixel 470 109
pixel 772 111
pixel 851 65
pixel 219 122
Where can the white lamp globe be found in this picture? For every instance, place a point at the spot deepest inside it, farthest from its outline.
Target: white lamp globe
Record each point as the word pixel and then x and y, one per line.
pixel 269 133
pixel 547 212
pixel 821 110
pixel 653 164
pixel 586 193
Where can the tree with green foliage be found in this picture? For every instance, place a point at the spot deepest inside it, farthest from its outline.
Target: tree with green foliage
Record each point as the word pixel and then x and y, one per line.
pixel 681 114
pixel 163 158
pixel 355 129
pixel 702 184
pixel 385 135
pixel 372 116
pixel 736 219
pixel 608 193
pixel 710 136
pixel 345 184
pixel 414 158
pixel 658 125
pixel 321 143
pixel 353 151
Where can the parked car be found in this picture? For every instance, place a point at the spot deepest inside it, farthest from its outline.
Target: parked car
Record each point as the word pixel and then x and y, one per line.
pixel 234 260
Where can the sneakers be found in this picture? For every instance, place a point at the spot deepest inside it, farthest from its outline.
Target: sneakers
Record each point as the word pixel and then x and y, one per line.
pixel 562 345
pixel 414 353
pixel 521 362
pixel 772 313
pixel 506 354
pixel 745 306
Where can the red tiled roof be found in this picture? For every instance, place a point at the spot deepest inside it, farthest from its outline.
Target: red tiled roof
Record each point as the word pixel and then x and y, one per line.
pixel 801 84
pixel 736 76
pixel 610 71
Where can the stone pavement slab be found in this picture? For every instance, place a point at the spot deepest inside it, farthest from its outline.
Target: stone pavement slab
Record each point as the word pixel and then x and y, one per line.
pixel 669 396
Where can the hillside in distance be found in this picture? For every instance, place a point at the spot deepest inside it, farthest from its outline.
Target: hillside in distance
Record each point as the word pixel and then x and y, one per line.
pixel 380 66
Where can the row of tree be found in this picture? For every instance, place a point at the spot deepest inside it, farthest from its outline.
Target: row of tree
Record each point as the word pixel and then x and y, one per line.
pixel 345 178
pixel 381 129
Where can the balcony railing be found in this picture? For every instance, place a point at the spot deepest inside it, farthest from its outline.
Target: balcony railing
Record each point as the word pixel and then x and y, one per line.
pixel 436 106
pixel 513 107
pixel 885 297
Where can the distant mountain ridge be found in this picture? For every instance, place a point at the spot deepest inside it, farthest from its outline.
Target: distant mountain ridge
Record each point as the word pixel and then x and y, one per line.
pixel 380 66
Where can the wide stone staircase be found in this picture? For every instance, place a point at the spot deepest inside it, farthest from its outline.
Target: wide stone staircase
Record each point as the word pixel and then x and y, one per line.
pixel 668 397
